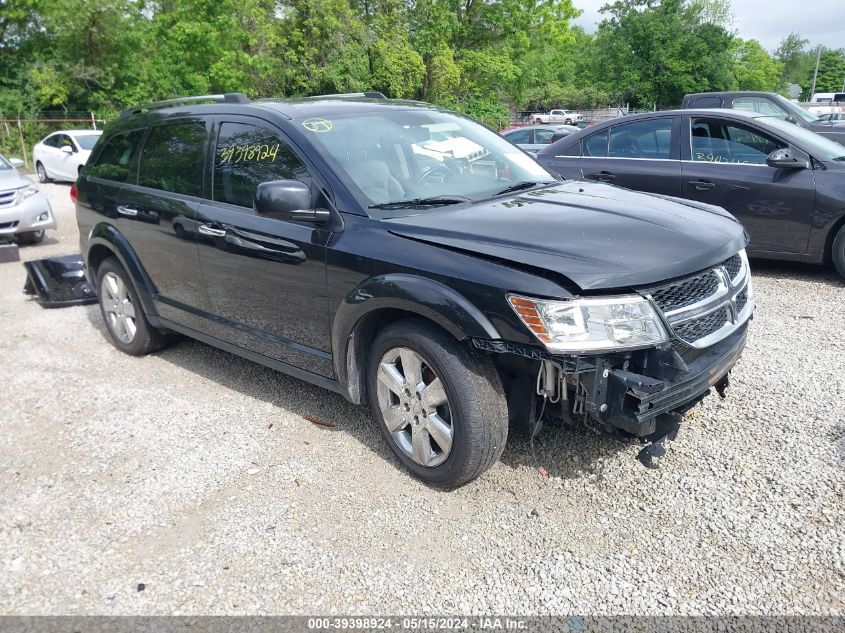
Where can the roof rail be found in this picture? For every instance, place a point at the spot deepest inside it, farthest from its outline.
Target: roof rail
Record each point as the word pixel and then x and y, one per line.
pixel 229 97
pixel 352 95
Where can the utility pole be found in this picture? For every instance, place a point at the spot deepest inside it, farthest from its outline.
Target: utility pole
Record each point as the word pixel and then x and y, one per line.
pixel 816 72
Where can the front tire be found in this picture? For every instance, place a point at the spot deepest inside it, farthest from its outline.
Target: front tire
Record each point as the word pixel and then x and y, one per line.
pixel 31 237
pixel 128 327
pixel 538 121
pixel 42 172
pixel 439 405
pixel 837 252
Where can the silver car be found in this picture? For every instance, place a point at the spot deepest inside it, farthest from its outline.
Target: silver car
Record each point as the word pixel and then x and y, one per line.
pixel 533 138
pixel 25 212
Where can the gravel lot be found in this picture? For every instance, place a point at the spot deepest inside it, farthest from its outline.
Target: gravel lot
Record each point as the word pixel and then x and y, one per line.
pixel 194 473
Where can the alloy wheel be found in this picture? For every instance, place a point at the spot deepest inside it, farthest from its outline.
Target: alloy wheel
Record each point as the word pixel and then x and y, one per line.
pixel 42 173
pixel 414 406
pixel 118 308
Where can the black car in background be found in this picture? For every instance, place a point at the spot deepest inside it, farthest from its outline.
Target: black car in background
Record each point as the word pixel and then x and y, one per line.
pixel 766 103
pixel 785 183
pixel 411 259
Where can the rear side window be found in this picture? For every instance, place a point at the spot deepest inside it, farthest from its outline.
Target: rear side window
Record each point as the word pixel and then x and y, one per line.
pixel 707 102
pixel 117 158
pixel 247 155
pixel 596 145
pixel 764 106
pixel 172 159
pixel 519 136
pixel 642 139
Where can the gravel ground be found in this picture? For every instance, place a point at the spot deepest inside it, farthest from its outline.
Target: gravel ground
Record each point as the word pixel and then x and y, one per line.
pixel 189 482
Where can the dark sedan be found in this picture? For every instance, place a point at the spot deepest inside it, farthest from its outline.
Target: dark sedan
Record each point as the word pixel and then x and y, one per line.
pixel 785 183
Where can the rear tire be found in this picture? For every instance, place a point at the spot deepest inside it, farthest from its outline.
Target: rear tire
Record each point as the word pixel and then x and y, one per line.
pixel 42 172
pixel 128 327
pixel 837 252
pixel 538 121
pixel 448 393
pixel 31 237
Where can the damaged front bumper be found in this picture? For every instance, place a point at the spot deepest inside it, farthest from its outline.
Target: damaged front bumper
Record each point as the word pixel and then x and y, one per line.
pixel 633 401
pixel 642 394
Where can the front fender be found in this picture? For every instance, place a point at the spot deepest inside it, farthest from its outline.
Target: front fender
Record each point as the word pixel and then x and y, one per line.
pixel 417 295
pixel 106 235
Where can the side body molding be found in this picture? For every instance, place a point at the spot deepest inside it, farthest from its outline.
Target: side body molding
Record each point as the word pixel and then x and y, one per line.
pixel 357 315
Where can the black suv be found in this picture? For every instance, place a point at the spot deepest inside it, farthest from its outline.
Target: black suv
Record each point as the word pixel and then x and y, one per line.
pixel 409 258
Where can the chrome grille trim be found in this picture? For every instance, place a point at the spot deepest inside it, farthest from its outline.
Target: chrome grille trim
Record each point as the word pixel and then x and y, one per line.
pixel 8 198
pixel 694 319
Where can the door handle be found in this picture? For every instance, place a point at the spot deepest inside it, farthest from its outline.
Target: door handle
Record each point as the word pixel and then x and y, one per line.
pixel 128 211
pixel 602 176
pixel 211 230
pixel 702 185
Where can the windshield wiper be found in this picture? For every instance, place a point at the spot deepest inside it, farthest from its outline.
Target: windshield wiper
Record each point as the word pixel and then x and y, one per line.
pixel 420 202
pixel 519 186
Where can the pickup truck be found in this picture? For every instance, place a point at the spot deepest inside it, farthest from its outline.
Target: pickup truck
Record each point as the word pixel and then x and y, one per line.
pixel 567 117
pixel 766 103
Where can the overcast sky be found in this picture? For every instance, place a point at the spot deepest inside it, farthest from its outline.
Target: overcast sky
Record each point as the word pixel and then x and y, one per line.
pixel 768 21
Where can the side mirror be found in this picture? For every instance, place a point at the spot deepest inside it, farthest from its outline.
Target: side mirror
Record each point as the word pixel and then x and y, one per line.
pixel 16 162
pixel 783 159
pixel 288 200
pixel 67 149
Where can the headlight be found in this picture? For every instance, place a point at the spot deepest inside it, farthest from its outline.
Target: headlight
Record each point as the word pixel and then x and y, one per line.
pixel 591 324
pixel 26 192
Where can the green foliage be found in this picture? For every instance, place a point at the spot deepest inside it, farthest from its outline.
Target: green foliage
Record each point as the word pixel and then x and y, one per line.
pixel 484 58
pixel 797 60
pixel 754 68
pixel 652 52
pixel 831 75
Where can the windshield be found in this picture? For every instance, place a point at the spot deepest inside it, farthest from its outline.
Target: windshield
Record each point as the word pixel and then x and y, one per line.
pixel 795 110
pixel 86 141
pixel 405 158
pixel 4 164
pixel 820 147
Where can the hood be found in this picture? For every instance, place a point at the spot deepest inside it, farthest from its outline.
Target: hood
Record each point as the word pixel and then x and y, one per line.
pixel 598 236
pixel 11 179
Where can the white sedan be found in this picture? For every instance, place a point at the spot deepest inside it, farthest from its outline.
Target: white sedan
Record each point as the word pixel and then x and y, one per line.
pixel 61 155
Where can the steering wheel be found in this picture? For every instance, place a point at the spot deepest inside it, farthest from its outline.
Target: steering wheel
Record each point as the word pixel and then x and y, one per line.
pixel 438 173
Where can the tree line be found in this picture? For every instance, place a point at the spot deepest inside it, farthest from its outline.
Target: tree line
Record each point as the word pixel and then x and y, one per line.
pixel 483 57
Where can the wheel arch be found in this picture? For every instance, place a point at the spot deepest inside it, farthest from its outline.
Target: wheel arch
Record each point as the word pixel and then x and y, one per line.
pixel 828 240
pixel 385 299
pixel 106 241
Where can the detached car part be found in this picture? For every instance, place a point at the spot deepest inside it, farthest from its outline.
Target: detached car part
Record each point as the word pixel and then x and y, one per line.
pixel 57 282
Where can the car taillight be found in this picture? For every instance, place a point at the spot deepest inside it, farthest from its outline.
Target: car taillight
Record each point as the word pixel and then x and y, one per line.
pixel 73 193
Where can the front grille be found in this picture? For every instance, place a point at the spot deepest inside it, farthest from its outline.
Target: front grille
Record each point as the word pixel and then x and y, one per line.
pixel 691 331
pixel 742 299
pixel 705 307
pixel 686 292
pixel 733 265
pixel 8 225
pixel 8 198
